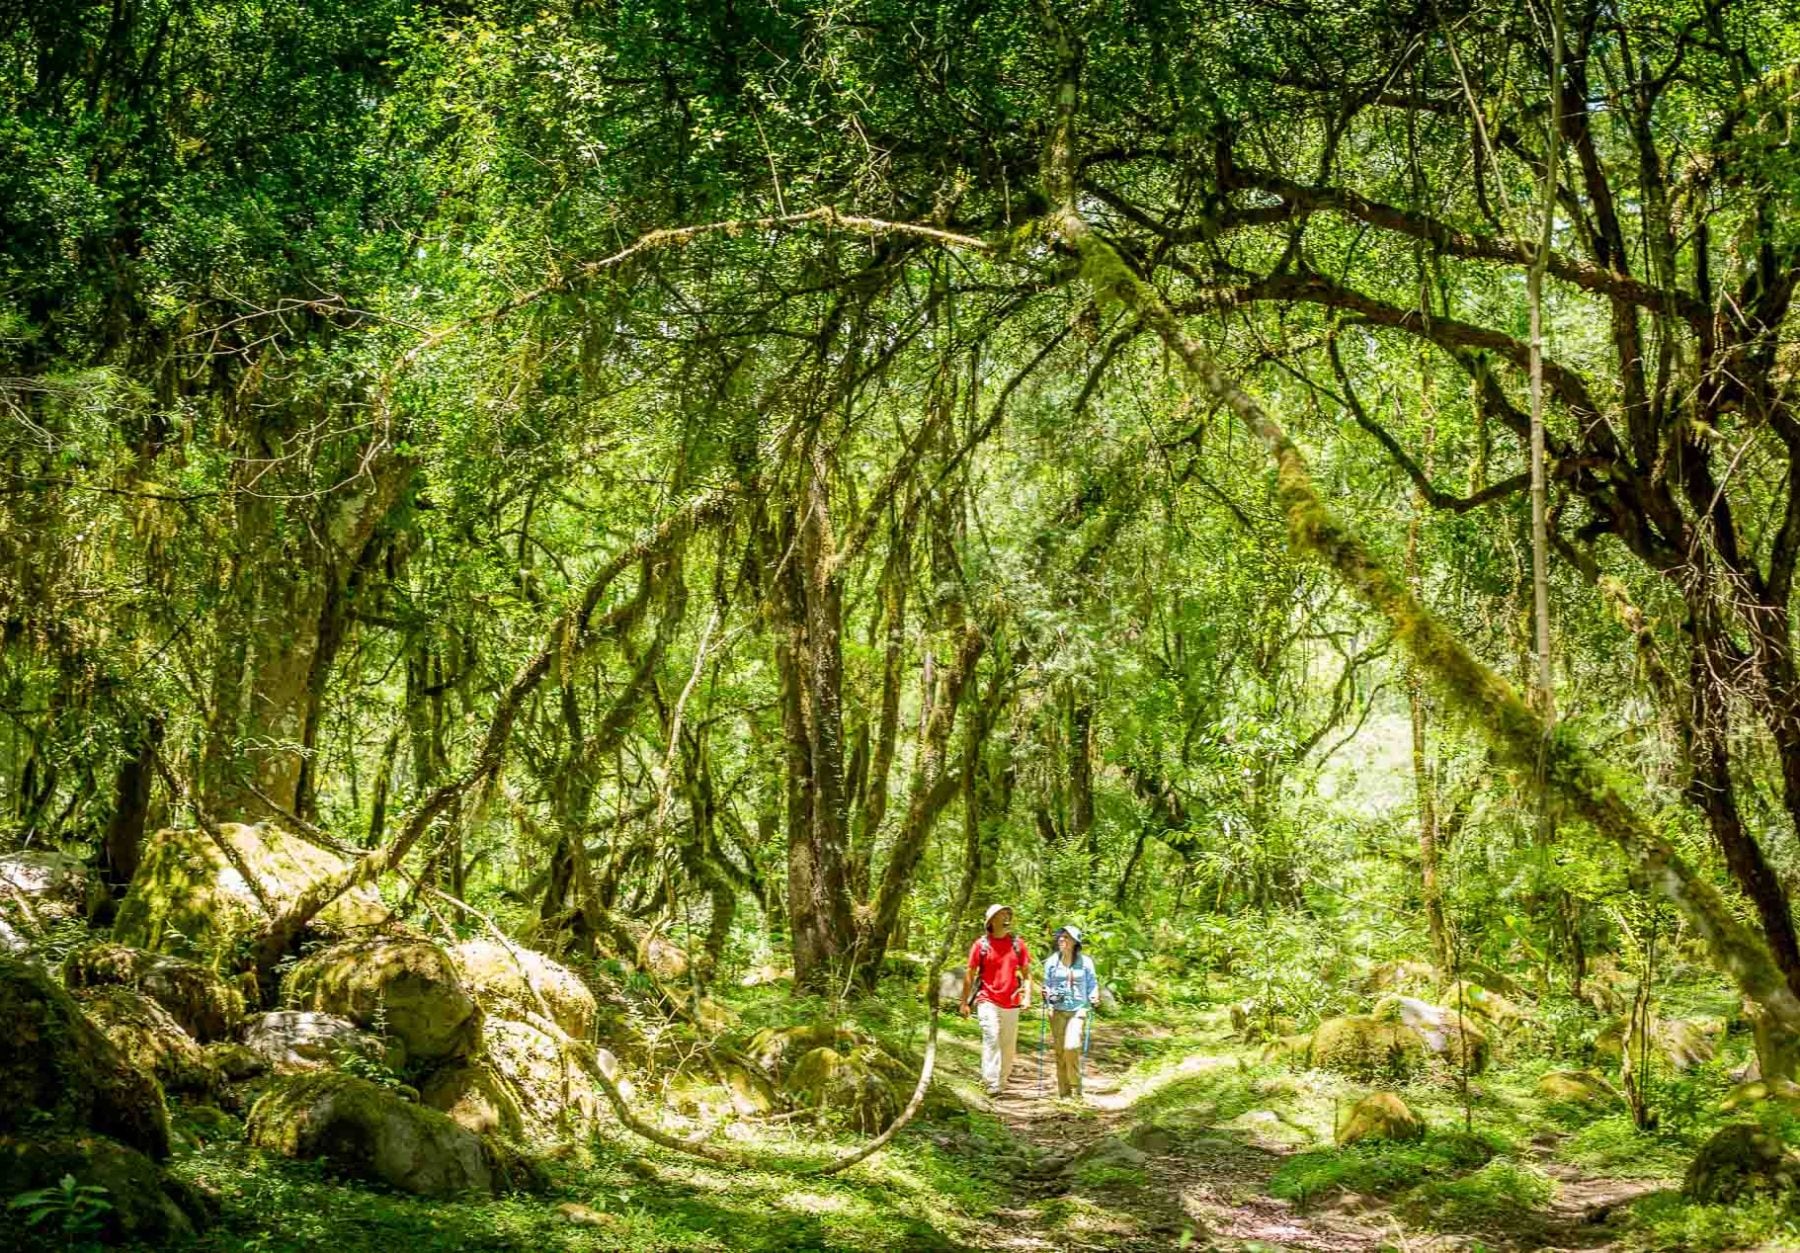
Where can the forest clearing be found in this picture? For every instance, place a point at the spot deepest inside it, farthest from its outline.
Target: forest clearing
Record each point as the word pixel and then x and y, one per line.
pixel 605 605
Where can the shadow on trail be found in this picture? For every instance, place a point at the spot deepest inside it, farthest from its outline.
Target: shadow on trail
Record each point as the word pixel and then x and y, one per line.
pixel 1185 1156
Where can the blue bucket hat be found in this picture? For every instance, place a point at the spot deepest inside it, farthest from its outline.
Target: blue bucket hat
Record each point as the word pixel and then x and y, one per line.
pixel 1072 931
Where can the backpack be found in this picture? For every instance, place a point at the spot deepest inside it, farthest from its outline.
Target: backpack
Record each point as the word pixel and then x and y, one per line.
pixel 986 947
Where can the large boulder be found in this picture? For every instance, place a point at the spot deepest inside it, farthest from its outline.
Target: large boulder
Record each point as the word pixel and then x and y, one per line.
pixel 857 1086
pixel 1741 1159
pixel 1366 1047
pixel 364 1130
pixel 58 1071
pixel 1586 1090
pixel 1681 1043
pixel 776 1049
pixel 476 1098
pixel 151 1039
pixel 1452 1036
pixel 405 988
pixel 142 1204
pixel 513 982
pixel 39 887
pixel 553 1080
pixel 1493 1008
pixel 207 1007
pixel 297 1041
pixel 187 897
pixel 1381 1116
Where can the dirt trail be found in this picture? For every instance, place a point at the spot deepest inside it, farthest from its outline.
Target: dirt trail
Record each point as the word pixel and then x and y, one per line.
pixel 1165 1165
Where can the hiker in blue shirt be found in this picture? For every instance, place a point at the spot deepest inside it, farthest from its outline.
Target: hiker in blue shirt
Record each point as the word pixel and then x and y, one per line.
pixel 1070 990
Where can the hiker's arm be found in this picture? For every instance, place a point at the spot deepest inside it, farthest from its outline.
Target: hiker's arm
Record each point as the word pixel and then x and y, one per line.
pixel 968 988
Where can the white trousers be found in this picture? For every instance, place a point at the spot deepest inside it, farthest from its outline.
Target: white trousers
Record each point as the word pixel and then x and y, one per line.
pixel 999 1043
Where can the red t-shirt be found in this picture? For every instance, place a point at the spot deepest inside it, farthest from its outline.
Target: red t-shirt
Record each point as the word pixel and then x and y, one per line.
pixel 1002 970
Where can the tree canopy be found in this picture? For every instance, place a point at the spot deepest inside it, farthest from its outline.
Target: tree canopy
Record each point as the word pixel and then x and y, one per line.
pixel 772 476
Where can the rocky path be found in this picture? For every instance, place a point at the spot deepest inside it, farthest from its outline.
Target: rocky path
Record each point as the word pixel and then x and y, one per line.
pixel 1179 1162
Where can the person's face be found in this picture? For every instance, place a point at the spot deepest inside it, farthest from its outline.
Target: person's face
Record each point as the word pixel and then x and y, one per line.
pixel 1002 924
pixel 1066 944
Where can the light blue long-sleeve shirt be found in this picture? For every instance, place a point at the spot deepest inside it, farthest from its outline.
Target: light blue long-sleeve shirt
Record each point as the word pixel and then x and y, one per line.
pixel 1070 986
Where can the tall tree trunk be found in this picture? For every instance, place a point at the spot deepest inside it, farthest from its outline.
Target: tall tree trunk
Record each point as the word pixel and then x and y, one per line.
pixel 932 788
pixel 896 578
pixel 810 658
pixel 1711 790
pixel 296 572
pixel 131 807
pixel 1081 775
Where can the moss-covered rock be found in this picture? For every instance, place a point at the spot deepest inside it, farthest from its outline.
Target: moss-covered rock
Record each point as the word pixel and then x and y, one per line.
pixel 1452 1036
pixel 1584 1089
pixel 1683 1044
pixel 1782 1092
pixel 1366 1047
pixel 144 1205
pixel 776 1049
pixel 1741 1160
pixel 1287 1048
pixel 1687 1043
pixel 1494 1008
pixel 1398 976
pixel 363 1130
pixel 39 887
pixel 553 1082
pixel 1381 1116
pixel 407 987
pixel 476 1098
pixel 297 1041
pixel 188 899
pixel 151 1039
pixel 1606 987
pixel 59 1071
pixel 751 1094
pixel 855 1086
pixel 513 982
pixel 236 1062
pixel 207 1007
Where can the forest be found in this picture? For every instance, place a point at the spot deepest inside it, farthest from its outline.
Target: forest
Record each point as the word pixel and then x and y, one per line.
pixel 559 557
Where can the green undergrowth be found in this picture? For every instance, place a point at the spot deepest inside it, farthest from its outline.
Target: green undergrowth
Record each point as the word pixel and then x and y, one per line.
pixel 1668 1221
pixel 1498 1196
pixel 1380 1168
pixel 619 1194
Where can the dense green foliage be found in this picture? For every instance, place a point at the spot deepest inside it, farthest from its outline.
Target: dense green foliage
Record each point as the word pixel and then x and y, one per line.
pixel 659 471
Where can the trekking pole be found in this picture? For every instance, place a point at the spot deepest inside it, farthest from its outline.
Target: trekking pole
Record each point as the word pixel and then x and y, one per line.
pixel 1043 1028
pixel 1087 1034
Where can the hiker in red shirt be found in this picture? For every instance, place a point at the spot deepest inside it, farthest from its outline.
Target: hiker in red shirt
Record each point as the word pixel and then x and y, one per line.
pixel 998 984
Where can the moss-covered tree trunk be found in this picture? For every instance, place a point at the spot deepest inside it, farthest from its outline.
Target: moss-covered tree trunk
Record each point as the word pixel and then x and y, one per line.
pixel 809 657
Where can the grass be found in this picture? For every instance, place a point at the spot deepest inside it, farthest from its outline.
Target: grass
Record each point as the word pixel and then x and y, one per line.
pixel 1668 1221
pixel 1193 1094
pixel 1379 1168
pixel 1496 1197
pixel 612 1196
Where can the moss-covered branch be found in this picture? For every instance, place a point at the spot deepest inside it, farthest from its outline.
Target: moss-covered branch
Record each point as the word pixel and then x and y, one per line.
pixel 1481 698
